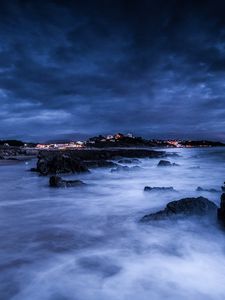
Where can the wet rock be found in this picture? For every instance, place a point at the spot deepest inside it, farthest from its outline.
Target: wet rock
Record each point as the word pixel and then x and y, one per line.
pixel 185 207
pixel 200 189
pixel 160 189
pixel 100 164
pixel 221 210
pixel 129 161
pixel 223 187
pixel 60 164
pixel 58 182
pixel 166 163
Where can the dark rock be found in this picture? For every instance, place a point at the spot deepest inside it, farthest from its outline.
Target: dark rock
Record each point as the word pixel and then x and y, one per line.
pixel 200 189
pixel 223 187
pixel 185 207
pixel 58 182
pixel 60 164
pixel 221 210
pixel 100 164
pixel 129 161
pixel 156 188
pixel 166 163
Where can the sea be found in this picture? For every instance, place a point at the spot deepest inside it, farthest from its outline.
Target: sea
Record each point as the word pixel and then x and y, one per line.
pixel 87 243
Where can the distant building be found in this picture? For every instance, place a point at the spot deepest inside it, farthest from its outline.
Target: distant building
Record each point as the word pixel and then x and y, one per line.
pixel 118 136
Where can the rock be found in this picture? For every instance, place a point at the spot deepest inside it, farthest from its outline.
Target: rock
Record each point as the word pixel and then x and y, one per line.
pixel 100 164
pixel 194 167
pixel 60 164
pixel 185 207
pixel 223 187
pixel 166 163
pixel 129 161
pixel 221 210
pixel 200 189
pixel 125 168
pixel 156 188
pixel 58 182
pixel 120 168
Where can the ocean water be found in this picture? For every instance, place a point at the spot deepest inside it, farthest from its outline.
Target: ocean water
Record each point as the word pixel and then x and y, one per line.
pixel 87 243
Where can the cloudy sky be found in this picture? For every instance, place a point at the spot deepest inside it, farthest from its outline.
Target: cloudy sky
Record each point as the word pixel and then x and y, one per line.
pixel 72 69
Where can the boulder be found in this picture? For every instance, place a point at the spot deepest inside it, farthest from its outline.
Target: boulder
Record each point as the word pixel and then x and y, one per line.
pixel 60 164
pixel 160 189
pixel 166 163
pixel 58 182
pixel 185 207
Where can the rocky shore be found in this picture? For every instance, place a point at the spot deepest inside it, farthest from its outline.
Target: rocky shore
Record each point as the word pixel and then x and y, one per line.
pixel 79 161
pixel 8 153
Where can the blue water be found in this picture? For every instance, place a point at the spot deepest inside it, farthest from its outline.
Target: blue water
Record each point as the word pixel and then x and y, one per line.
pixel 86 243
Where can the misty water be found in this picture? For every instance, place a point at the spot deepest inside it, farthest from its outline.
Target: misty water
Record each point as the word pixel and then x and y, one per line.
pixel 87 243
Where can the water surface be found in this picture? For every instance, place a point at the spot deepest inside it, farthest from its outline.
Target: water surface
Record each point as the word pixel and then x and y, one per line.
pixel 86 243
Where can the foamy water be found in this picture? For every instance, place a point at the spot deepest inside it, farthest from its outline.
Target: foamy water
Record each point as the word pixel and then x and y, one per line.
pixel 86 243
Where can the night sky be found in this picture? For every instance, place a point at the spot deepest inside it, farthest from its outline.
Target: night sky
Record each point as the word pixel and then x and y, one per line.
pixel 73 69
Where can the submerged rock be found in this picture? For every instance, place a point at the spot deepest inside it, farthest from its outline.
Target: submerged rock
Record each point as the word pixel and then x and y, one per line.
pixel 58 182
pixel 200 189
pixel 156 188
pixel 185 207
pixel 125 168
pixel 166 163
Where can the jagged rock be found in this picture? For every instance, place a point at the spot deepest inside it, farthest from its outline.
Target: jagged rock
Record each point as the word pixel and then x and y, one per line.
pixel 185 207
pixel 200 189
pixel 166 163
pixel 60 164
pixel 156 188
pixel 129 161
pixel 221 210
pixel 58 182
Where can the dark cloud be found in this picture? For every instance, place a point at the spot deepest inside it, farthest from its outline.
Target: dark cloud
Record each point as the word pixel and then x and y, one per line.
pixel 77 68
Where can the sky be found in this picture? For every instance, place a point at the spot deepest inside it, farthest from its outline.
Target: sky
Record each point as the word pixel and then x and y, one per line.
pixel 74 69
